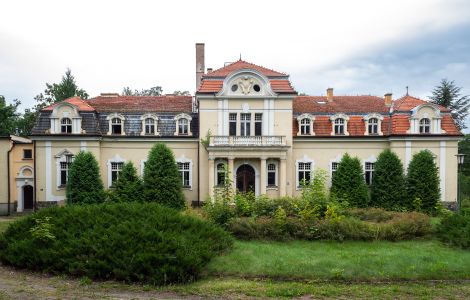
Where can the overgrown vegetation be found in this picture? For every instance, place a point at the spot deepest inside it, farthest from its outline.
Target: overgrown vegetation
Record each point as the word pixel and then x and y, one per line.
pixel 128 186
pixel 455 229
pixel 84 185
pixel 142 242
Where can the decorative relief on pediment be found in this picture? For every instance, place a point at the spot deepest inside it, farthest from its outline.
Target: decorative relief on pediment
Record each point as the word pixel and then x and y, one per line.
pixel 246 83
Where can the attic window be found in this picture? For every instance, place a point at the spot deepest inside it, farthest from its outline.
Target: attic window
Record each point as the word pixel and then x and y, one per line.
pixel 66 125
pixel 256 88
pixel 234 87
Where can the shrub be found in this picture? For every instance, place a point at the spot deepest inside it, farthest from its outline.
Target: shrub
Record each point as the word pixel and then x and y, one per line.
pixel 348 182
pixel 128 186
pixel 122 241
pixel 377 215
pixel 162 180
pixel 455 229
pixel 219 212
pixel 84 184
pixel 422 182
pixel 388 184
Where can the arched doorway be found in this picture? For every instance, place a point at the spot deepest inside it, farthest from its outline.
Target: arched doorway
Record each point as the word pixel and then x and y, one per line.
pixel 246 179
pixel 28 197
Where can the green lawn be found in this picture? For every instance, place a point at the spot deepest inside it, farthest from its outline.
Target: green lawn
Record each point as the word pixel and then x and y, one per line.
pixel 351 261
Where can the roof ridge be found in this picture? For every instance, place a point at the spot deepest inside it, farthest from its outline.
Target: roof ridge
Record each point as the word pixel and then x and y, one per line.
pixel 249 63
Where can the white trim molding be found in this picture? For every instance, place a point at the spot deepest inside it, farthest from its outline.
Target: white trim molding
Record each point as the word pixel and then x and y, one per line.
pixel 442 169
pixel 143 118
pixel 178 118
pixel 56 118
pixel 435 119
pixel 311 120
pixel 304 159
pixel 276 171
pixel 110 118
pixel 183 160
pixel 379 118
pixel 61 157
pixel 333 119
pixel 115 159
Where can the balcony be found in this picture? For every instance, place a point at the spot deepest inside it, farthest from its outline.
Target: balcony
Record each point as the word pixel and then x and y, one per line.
pixel 247 141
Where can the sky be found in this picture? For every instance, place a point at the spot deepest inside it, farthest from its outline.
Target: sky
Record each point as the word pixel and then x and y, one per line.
pixel 357 47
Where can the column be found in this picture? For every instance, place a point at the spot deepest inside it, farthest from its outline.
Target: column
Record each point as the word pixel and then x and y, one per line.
pixel 231 173
pixel 263 176
pixel 211 177
pixel 282 178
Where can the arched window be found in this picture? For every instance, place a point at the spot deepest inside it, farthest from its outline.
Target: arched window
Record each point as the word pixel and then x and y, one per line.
pixel 116 126
pixel 66 125
pixel 373 126
pixel 149 126
pixel 183 126
pixel 221 173
pixel 424 125
pixel 305 126
pixel 339 126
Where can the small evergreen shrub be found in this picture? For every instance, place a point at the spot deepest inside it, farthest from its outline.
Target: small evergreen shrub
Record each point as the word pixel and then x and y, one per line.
pixel 84 184
pixel 388 184
pixel 128 186
pixel 162 180
pixel 134 242
pixel 422 182
pixel 348 182
pixel 455 229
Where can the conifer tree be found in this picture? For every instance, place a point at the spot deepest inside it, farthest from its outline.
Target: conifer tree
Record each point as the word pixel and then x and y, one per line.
pixel 162 180
pixel 422 182
pixel 128 186
pixel 84 184
pixel 449 95
pixel 348 182
pixel 388 183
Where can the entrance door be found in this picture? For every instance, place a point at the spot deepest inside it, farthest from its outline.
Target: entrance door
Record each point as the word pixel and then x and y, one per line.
pixel 28 197
pixel 246 179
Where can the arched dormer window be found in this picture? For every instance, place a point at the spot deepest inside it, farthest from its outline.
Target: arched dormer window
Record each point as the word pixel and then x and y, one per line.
pixel 149 124
pixel 339 124
pixel 183 124
pixel 305 122
pixel 116 124
pixel 425 125
pixel 373 123
pixel 65 125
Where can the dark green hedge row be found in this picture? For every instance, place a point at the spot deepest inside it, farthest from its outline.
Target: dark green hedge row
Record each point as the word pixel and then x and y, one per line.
pixel 455 229
pixel 127 241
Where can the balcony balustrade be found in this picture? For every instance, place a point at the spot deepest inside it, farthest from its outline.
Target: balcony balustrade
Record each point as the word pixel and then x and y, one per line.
pixel 247 141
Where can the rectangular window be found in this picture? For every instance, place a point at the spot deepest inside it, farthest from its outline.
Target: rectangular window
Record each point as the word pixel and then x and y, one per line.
pixel 27 154
pixel 271 174
pixel 369 172
pixel 116 168
pixel 221 173
pixel 245 124
pixel 232 127
pixel 258 124
pixel 304 172
pixel 184 172
pixel 334 167
pixel 64 169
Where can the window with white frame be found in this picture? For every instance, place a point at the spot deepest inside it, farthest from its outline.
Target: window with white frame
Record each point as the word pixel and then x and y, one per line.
pixel 334 168
pixel 116 126
pixel 373 123
pixel 221 173
pixel 369 172
pixel 183 124
pixel 245 124
pixel 116 168
pixel 304 172
pixel 66 125
pixel 185 172
pixel 64 169
pixel 424 125
pixel 305 124
pixel 373 126
pixel 232 125
pixel 149 126
pixel 339 126
pixel 258 124
pixel 272 174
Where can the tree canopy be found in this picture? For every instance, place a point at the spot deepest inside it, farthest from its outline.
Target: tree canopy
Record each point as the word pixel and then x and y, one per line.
pixel 449 95
pixel 153 91
pixel 8 116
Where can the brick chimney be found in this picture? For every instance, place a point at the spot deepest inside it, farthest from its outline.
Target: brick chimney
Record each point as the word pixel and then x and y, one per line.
pixel 209 70
pixel 200 68
pixel 329 94
pixel 388 99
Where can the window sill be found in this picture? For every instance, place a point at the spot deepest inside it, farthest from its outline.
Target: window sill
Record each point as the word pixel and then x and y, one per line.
pixel 187 187
pixel 62 187
pixel 27 159
pixel 272 188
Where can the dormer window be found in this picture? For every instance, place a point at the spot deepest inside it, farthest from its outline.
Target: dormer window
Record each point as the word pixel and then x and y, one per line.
pixel 373 126
pixel 183 124
pixel 305 122
pixel 66 125
pixel 149 126
pixel 424 125
pixel 339 124
pixel 373 123
pixel 116 126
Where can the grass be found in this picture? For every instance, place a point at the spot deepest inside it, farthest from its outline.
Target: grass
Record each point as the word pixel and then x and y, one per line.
pixel 348 261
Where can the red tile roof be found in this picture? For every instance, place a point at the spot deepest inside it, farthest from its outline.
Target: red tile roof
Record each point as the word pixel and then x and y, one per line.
pixel 448 124
pixel 340 104
pixel 167 103
pixel 214 86
pixel 241 64
pixel 82 105
pixel 407 103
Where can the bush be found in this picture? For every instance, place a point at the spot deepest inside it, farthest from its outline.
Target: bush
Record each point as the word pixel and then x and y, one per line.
pixel 162 180
pixel 84 184
pixel 388 184
pixel 455 229
pixel 128 186
pixel 422 182
pixel 142 242
pixel 348 182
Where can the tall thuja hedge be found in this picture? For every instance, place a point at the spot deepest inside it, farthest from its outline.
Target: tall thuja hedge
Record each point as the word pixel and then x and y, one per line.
pixel 388 184
pixel 84 184
pixel 162 181
pixel 128 186
pixel 422 182
pixel 348 182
